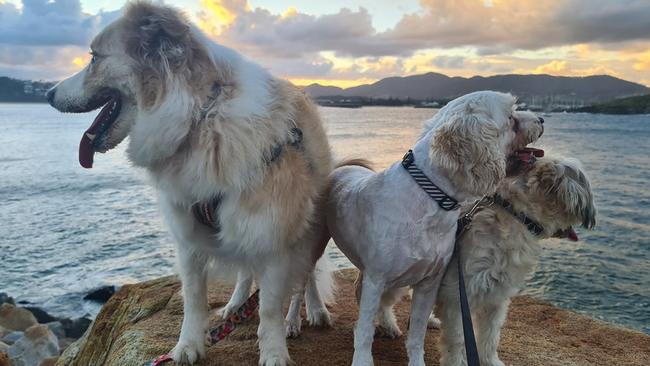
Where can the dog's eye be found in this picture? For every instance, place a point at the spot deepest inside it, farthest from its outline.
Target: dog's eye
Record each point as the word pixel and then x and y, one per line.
pixel 93 58
pixel 514 122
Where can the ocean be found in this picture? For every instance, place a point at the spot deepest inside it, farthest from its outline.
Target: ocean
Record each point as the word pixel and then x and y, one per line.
pixel 65 230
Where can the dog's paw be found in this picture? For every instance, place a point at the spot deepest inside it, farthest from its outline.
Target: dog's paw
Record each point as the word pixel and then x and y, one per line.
pixel 293 328
pixel 433 322
pixel 226 311
pixel 493 362
pixel 188 352
pixel 275 359
pixel 319 318
pixel 390 331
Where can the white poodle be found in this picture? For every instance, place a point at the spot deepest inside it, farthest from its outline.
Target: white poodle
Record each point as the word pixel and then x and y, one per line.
pixel 394 232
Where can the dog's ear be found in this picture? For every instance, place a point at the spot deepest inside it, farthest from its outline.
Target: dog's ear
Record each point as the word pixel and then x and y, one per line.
pixel 466 147
pixel 566 182
pixel 157 34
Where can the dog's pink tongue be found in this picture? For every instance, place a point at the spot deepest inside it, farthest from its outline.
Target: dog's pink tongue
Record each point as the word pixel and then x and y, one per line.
pixel 571 234
pixel 86 150
pixel 528 154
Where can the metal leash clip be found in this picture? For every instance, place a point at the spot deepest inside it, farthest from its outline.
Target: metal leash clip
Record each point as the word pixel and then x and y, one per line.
pixel 466 220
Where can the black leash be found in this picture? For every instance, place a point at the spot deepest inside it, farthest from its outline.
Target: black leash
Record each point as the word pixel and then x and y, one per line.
pixel 448 203
pixel 464 222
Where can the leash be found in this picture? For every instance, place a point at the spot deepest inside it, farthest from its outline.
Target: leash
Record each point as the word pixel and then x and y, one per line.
pixel 448 203
pixel 464 223
pixel 221 331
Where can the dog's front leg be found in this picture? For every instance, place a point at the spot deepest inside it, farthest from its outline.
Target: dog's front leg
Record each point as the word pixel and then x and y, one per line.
pixel 191 343
pixel 489 320
pixel 371 291
pixel 274 286
pixel 424 296
pixel 239 296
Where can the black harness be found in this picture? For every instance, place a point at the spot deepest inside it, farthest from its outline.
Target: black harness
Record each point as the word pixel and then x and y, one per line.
pixel 207 213
pixel 532 226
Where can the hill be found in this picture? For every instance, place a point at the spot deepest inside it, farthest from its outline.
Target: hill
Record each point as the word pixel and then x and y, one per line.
pixel 13 90
pixel 631 105
pixel 534 89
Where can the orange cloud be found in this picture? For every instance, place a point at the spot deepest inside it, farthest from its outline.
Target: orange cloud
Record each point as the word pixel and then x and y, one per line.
pixel 554 67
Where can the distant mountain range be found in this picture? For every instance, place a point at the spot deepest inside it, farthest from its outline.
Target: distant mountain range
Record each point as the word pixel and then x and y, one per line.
pixel 531 88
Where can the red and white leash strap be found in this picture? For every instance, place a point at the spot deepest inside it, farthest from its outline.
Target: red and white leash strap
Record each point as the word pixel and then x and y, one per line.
pixel 221 331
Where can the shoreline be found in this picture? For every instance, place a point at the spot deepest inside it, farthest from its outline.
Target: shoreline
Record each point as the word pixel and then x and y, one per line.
pixel 142 321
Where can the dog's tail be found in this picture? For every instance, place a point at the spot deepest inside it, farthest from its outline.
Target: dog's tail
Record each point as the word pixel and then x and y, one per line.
pixel 324 278
pixel 356 162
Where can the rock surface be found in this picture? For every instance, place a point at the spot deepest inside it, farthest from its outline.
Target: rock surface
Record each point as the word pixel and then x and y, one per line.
pixel 143 321
pixel 4 359
pixel 38 343
pixel 16 318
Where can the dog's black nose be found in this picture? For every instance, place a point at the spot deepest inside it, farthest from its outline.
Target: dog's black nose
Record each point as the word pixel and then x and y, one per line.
pixel 541 120
pixel 50 95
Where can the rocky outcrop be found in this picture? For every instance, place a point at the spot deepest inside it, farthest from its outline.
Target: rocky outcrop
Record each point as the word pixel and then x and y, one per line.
pixel 143 321
pixel 16 318
pixel 38 344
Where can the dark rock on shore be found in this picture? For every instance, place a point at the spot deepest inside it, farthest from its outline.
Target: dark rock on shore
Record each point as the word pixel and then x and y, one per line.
pixel 143 321
pixel 101 294
pixel 75 328
pixel 41 315
pixel 4 298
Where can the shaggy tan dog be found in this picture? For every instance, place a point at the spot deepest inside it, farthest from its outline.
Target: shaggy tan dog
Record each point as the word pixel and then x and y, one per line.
pixel 209 126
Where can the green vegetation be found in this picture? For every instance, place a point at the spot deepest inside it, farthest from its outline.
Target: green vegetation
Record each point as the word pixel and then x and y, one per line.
pixel 13 90
pixel 631 105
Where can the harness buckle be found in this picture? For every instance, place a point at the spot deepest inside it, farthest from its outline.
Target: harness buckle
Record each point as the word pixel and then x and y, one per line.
pixel 408 159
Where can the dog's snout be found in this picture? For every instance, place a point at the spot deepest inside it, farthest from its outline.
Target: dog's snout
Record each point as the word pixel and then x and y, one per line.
pixel 50 95
pixel 541 120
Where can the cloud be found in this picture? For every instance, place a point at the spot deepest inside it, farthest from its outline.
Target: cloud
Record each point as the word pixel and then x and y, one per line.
pixel 48 23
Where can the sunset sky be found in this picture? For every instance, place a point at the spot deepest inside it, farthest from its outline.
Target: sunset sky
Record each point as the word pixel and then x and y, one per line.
pixel 347 43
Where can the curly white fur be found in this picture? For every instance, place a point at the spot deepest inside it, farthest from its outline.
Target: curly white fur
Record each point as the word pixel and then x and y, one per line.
pixel 396 234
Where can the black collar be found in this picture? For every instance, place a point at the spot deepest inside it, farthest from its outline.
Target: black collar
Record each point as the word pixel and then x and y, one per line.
pixel 532 226
pixel 445 202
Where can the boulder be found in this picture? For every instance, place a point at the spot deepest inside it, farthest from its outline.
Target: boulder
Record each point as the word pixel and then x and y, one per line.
pixel 38 343
pixel 4 298
pixel 75 328
pixel 57 328
pixel 4 359
pixel 4 331
pixel 50 361
pixel 41 315
pixel 101 295
pixel 143 321
pixel 16 318
pixel 12 337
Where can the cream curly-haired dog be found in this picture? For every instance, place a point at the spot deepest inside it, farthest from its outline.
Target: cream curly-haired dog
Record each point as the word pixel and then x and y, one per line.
pixel 396 233
pixel 214 130
pixel 499 251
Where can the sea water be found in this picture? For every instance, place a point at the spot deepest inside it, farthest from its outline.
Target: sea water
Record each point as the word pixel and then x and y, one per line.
pixel 65 230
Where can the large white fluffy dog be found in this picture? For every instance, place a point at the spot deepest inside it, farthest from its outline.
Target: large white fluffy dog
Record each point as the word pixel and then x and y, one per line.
pixel 209 126
pixel 499 251
pixel 398 235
